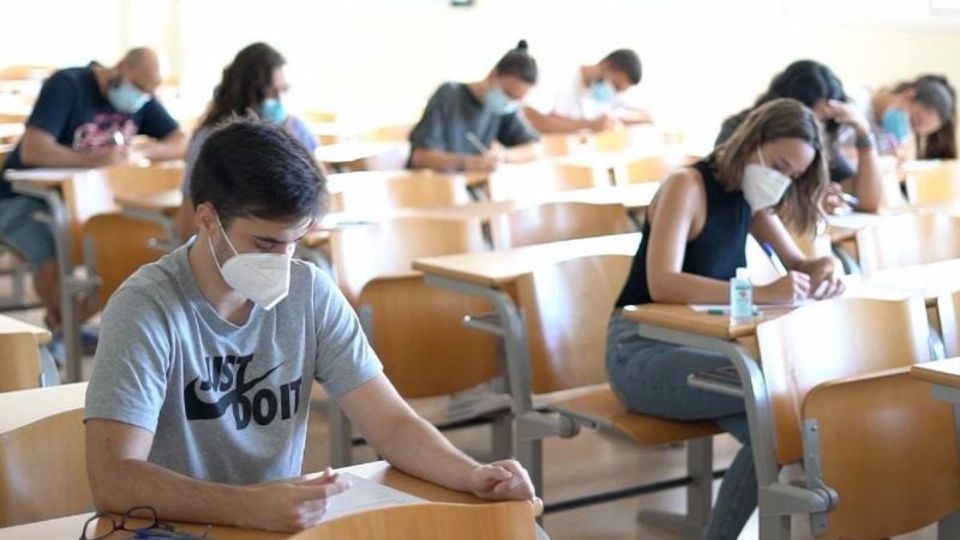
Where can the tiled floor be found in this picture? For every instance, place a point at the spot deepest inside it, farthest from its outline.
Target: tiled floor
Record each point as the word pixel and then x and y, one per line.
pixel 589 463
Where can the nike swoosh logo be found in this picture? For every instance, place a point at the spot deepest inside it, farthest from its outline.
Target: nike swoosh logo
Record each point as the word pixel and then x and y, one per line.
pixel 198 409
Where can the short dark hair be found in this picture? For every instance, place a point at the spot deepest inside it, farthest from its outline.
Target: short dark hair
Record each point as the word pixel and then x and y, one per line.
pixel 251 168
pixel 625 61
pixel 519 63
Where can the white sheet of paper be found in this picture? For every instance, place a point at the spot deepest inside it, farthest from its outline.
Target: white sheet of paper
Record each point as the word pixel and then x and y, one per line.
pixel 853 220
pixel 365 495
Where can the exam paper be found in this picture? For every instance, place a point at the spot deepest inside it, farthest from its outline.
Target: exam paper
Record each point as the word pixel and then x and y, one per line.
pixel 364 495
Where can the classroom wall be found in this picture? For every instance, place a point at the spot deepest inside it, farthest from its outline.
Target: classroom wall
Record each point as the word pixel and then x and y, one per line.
pixel 702 59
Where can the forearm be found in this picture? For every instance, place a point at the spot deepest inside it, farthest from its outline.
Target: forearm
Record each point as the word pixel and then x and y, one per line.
pixel 868 182
pixel 173 146
pixel 437 159
pixel 685 288
pixel 130 482
pixel 551 123
pixel 631 116
pixel 416 447
pixel 52 154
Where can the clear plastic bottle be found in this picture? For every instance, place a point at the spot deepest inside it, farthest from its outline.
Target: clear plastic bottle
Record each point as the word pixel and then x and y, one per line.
pixel 741 296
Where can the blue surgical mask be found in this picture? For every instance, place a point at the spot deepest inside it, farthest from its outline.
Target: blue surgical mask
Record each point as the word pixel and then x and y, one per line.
pixel 127 98
pixel 603 91
pixel 896 122
pixel 272 110
pixel 497 101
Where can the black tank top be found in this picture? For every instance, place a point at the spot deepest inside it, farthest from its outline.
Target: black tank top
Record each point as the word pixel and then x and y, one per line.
pixel 716 252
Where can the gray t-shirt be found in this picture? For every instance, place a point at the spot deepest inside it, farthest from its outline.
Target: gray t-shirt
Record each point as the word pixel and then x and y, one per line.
pixel 453 111
pixel 226 403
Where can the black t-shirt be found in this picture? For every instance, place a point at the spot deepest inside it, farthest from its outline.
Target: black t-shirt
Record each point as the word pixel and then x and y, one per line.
pixel 840 168
pixel 716 252
pixel 453 111
pixel 72 109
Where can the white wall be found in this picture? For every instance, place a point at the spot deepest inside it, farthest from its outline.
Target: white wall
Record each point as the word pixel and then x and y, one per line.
pixel 703 59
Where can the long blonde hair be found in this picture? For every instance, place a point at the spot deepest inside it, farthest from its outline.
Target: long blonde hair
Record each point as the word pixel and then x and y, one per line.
pixel 780 119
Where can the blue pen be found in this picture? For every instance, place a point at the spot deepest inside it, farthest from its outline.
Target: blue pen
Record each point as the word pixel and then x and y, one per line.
pixel 774 259
pixel 850 199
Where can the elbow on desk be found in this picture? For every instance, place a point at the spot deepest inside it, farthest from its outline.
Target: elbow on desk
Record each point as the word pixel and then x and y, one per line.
pixel 106 497
pixel 661 289
pixel 28 152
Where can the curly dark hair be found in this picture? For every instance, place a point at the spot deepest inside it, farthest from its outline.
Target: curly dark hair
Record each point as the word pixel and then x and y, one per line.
pixel 245 83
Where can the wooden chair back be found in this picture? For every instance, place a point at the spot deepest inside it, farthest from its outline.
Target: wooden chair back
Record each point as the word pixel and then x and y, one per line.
pixel 554 222
pixel 908 240
pixel 118 246
pixel 362 253
pixel 418 333
pixel 380 191
pixel 888 448
pixel 831 340
pixel 43 473
pixel 567 307
pixel 648 169
pixel 937 184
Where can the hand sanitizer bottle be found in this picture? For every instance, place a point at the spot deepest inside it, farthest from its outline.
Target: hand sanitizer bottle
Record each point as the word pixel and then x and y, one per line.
pixel 741 296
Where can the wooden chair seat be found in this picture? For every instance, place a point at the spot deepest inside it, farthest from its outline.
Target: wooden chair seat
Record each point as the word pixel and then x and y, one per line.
pixel 603 409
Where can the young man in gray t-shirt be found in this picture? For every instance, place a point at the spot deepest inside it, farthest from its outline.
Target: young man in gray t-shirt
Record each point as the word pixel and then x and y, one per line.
pixel 199 397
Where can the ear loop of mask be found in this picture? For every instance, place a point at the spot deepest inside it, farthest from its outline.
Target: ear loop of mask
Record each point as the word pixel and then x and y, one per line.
pixel 214 251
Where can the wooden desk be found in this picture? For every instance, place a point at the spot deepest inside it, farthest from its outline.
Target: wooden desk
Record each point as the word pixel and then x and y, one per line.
pixel 683 318
pixel 339 182
pixel 941 372
pixel 10 132
pixel 926 280
pixel 354 155
pixel 23 362
pixel 500 268
pixel 9 325
pixel 73 196
pixel 634 199
pixel 22 407
pixel 944 377
pixel 163 202
pixel 380 472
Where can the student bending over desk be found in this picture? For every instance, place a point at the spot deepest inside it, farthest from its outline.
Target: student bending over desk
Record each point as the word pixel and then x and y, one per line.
pixel 591 98
pixel 693 241
pixel 462 120
pixel 914 119
pixel 254 83
pixel 201 387
pixel 84 117
pixel 816 86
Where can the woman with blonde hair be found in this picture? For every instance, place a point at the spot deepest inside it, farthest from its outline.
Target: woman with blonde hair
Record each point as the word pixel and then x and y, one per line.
pixel 693 241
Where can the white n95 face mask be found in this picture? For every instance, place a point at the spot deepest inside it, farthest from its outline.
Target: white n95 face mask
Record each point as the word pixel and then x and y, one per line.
pixel 264 278
pixel 762 186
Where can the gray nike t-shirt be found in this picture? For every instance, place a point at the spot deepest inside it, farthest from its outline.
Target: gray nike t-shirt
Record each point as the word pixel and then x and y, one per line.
pixel 226 403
